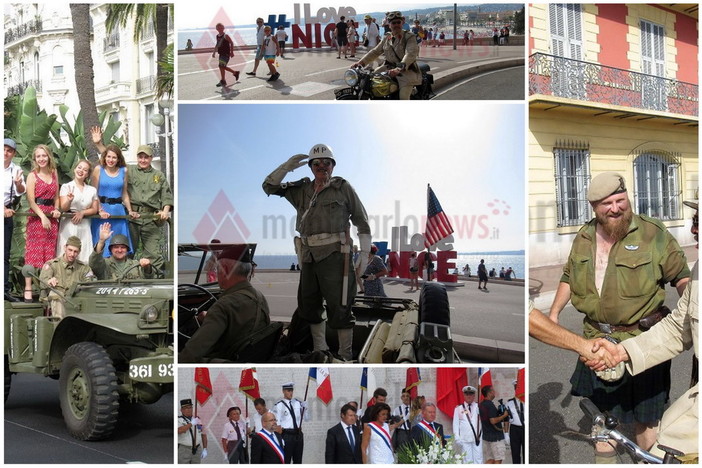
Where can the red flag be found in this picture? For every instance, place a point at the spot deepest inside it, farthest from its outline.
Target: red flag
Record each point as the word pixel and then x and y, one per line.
pixel 249 383
pixel 438 225
pixel 449 388
pixel 519 391
pixel 412 381
pixel 203 386
pixel 485 379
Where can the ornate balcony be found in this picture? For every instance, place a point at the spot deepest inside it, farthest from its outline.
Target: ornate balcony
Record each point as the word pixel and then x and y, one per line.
pixel 584 81
pixel 30 27
pixel 110 43
pixel 145 84
pixel 20 88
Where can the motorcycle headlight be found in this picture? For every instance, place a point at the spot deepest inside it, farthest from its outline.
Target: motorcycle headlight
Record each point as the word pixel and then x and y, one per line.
pixel 351 77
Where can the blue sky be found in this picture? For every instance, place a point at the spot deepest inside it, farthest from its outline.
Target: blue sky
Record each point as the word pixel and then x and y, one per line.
pixel 472 154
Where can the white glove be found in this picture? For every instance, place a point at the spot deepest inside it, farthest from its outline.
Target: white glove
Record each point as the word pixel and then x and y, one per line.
pixel 276 177
pixel 507 438
pixel 365 245
pixel 204 454
pixel 303 404
pixel 195 421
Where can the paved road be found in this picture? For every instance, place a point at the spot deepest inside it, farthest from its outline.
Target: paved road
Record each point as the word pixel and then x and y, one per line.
pixel 493 85
pixel 312 74
pixel 557 422
pixel 35 431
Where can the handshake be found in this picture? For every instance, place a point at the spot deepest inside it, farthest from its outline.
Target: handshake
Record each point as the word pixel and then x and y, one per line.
pixel 605 356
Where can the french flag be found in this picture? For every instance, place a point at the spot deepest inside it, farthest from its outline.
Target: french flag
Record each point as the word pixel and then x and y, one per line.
pixel 484 378
pixel 324 386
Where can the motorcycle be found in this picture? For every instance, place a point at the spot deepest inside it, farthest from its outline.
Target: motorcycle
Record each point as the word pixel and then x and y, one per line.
pixel 365 84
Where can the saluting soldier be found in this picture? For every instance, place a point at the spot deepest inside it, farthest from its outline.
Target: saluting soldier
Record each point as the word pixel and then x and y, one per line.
pixel 324 205
pixel 150 194
pixel 240 311
pixel 192 442
pixel 289 413
pixel 117 263
pixel 62 273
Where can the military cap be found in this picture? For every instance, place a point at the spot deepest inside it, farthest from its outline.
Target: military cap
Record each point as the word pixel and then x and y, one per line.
pixel 240 253
pixel 469 390
pixel 289 386
pixel 74 241
pixel 605 185
pixel 186 402
pixel 395 15
pixel 145 149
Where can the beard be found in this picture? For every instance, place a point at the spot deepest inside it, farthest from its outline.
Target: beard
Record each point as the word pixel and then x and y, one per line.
pixel 616 228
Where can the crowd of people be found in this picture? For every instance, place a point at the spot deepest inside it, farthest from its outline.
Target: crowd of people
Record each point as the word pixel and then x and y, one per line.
pixel 377 434
pixel 89 227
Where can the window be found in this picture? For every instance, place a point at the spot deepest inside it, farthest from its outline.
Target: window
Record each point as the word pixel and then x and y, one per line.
pixel 567 47
pixel 653 86
pixel 58 59
pixel 657 187
pixel 115 71
pixel 572 162
pixel 58 70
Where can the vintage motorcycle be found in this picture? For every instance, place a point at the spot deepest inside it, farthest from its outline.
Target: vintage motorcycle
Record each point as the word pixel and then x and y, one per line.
pixel 365 84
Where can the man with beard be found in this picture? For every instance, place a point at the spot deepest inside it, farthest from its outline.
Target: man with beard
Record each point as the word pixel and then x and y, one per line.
pixel 616 274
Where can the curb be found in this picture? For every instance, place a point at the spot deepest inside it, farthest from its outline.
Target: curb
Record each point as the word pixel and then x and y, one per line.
pixel 446 78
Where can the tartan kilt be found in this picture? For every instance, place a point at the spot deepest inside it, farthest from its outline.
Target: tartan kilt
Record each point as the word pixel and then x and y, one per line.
pixel 640 398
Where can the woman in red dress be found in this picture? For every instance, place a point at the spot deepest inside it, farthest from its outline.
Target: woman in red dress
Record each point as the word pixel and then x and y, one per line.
pixel 43 198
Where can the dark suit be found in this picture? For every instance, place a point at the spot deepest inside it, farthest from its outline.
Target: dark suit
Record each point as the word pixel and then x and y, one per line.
pixel 261 452
pixel 418 435
pixel 338 448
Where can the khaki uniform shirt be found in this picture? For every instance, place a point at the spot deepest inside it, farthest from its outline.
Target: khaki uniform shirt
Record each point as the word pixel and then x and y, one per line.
pixel 639 267
pixel 330 212
pixel 148 191
pixel 109 268
pixel 231 319
pixel 674 334
pixel 67 275
pixel 396 51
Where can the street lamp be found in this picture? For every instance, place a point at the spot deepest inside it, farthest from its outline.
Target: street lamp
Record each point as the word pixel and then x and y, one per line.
pixel 159 120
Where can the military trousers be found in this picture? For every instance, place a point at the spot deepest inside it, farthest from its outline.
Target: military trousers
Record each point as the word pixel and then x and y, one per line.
pixel 186 455
pixel 323 281
pixel 150 236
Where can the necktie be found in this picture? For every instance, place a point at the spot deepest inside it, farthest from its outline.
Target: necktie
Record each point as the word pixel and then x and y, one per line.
pixel 352 442
pixel 404 425
pixel 238 432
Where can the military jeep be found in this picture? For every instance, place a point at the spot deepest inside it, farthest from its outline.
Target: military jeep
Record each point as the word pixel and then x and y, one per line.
pixel 114 343
pixel 387 330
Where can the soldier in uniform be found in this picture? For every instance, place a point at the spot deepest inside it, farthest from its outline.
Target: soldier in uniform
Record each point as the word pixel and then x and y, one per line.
pixel 400 49
pixel 117 263
pixel 615 274
pixel 192 442
pixel 324 207
pixel 239 312
pixel 61 274
pixel 150 194
pixel 289 413
pixel 402 434
pixel 467 431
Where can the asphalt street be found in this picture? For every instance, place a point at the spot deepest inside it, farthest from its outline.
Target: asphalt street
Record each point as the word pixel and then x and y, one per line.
pixel 35 431
pixel 493 85
pixel 558 428
pixel 313 74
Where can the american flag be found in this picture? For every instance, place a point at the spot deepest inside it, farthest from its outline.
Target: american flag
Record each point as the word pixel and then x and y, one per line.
pixel 438 225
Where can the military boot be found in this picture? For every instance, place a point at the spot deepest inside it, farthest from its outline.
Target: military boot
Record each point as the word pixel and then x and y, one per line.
pixel 346 344
pixel 319 339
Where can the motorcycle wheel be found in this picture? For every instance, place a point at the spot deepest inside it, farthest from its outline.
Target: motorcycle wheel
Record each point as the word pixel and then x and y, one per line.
pixel 351 97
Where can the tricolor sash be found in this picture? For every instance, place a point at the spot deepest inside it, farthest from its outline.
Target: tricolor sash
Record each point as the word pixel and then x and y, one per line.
pixel 428 429
pixel 380 430
pixel 271 440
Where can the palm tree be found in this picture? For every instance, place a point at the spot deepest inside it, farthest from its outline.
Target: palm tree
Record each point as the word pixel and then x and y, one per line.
pixel 84 75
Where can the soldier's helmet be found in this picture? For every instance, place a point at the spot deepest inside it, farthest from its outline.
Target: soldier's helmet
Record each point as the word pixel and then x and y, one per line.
pixel 119 239
pixel 321 151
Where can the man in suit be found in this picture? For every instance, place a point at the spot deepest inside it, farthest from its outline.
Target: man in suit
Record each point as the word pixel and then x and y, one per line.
pixel 267 446
pixel 427 431
pixel 344 439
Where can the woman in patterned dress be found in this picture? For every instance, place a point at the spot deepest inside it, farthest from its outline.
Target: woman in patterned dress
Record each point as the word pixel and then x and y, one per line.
pixel 43 198
pixel 79 198
pixel 110 180
pixel 372 285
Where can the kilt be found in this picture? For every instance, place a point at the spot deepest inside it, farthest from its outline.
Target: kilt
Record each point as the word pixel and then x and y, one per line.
pixel 640 398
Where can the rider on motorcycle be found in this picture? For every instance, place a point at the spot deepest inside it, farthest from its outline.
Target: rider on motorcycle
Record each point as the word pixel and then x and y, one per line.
pixel 400 50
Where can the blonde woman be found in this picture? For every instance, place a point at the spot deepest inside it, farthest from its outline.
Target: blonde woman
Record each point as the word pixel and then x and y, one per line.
pixel 80 199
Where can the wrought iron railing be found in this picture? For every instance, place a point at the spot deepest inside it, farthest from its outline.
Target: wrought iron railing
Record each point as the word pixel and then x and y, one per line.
pixel 30 27
pixel 145 84
pixel 110 43
pixel 20 88
pixel 586 81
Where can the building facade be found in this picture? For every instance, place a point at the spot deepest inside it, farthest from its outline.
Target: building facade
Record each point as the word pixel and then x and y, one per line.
pixel 39 53
pixel 612 87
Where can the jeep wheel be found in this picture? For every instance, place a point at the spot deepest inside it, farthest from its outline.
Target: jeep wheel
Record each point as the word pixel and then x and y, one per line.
pixel 8 377
pixel 434 304
pixel 88 392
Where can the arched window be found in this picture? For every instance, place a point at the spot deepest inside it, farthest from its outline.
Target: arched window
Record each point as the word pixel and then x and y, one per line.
pixel 58 59
pixel 657 184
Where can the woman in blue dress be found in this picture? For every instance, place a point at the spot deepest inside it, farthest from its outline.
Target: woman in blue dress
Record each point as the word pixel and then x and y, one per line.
pixel 110 180
pixel 372 285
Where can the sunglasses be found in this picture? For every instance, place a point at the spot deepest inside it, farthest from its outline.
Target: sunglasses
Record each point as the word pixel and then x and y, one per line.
pixel 321 162
pixel 396 22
